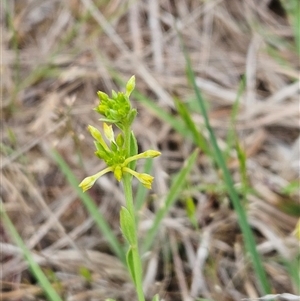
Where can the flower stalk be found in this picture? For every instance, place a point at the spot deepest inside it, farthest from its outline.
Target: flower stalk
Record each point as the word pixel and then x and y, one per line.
pixel 120 154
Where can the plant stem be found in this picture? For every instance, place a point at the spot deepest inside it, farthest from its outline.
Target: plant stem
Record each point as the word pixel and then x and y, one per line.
pixel 127 181
pixel 135 248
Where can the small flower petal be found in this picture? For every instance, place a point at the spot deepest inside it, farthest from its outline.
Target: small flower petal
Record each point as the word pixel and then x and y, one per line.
pixel 88 182
pixel 108 132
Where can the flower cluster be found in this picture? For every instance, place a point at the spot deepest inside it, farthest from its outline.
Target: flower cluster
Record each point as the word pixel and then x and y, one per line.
pixel 117 110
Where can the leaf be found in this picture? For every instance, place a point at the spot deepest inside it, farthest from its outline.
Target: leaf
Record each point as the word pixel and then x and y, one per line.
pixel 127 225
pixel 130 264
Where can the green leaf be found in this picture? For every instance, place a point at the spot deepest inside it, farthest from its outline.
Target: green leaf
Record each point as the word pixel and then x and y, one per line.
pixel 130 265
pixel 127 225
pixel 231 135
pixel 131 116
pixel 242 157
pixel 102 152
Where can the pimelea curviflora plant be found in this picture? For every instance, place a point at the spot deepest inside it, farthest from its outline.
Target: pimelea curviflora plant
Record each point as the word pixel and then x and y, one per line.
pixel 120 154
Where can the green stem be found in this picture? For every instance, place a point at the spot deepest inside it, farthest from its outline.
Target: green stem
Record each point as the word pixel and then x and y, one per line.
pixel 135 248
pixel 127 179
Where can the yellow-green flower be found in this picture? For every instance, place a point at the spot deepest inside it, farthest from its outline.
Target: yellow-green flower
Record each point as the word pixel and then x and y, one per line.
pixel 114 152
pixel 88 182
pixel 119 170
pixel 144 178
pixel 115 158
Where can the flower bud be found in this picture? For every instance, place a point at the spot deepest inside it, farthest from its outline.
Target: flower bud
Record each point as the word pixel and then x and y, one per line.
pixel 108 132
pixel 98 137
pixel 130 85
pixel 102 96
pixel 88 182
pixel 120 140
pixel 145 179
pixel 151 153
pixel 118 173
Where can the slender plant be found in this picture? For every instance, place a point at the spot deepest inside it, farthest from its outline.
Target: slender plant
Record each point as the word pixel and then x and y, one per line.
pixel 120 154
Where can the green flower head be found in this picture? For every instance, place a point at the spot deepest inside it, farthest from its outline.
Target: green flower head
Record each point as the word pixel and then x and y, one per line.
pixel 119 153
pixel 117 109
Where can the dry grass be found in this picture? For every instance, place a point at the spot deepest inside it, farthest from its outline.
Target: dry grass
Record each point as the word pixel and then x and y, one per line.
pixel 57 54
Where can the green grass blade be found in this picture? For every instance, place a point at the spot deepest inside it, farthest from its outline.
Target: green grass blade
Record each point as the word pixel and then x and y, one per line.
pixel 242 216
pixel 34 267
pixel 198 138
pixel 172 196
pixel 91 207
pixel 293 267
pixel 231 136
pixel 242 158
